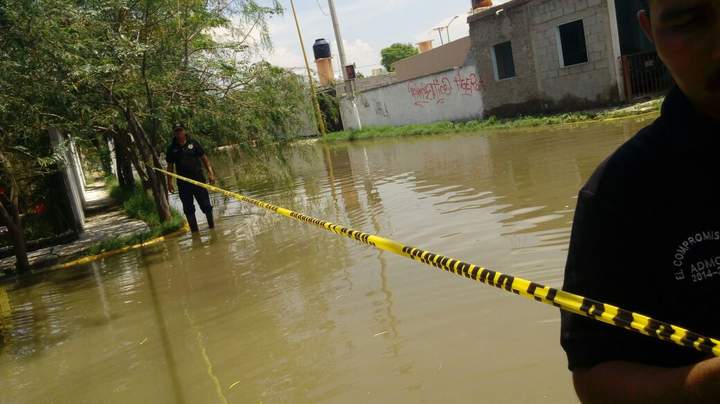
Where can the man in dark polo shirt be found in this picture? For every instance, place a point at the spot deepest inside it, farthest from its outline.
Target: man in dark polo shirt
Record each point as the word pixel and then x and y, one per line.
pixel 186 157
pixel 646 234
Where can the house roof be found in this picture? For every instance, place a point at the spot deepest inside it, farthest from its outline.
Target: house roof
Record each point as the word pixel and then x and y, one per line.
pixel 436 60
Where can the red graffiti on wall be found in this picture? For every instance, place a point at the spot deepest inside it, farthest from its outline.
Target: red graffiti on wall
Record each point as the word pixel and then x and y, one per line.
pixel 434 91
pixel 439 89
pixel 467 85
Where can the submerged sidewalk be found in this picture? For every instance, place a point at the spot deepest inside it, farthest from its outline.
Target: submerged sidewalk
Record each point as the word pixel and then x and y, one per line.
pixel 105 221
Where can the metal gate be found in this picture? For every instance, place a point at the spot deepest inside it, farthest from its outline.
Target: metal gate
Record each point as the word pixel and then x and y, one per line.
pixel 645 75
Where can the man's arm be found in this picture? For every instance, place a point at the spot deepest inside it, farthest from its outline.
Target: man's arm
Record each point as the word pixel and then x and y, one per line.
pixel 208 167
pixel 170 179
pixel 631 383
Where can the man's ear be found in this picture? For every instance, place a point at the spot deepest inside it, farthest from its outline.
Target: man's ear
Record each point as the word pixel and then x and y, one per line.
pixel 644 20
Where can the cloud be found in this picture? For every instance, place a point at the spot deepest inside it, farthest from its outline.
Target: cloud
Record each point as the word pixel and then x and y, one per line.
pixel 362 54
pixel 367 27
pixel 288 58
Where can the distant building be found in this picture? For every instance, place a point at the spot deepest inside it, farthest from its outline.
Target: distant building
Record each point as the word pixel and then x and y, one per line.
pixel 555 55
pixel 439 84
pixel 522 57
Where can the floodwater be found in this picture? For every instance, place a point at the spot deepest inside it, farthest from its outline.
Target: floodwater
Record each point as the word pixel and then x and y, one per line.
pixel 267 309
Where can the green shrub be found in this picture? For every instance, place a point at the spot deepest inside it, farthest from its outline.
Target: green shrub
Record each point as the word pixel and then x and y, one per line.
pixel 138 204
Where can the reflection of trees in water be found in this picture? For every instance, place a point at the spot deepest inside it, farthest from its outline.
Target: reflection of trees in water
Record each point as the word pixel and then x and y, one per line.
pixel 33 315
pixel 165 343
pixel 249 172
pixel 5 316
pixel 279 285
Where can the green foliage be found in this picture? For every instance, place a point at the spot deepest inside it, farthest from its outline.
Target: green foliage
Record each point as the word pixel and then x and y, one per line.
pixel 171 226
pixel 330 108
pixel 88 68
pixel 268 109
pixel 396 52
pixel 139 205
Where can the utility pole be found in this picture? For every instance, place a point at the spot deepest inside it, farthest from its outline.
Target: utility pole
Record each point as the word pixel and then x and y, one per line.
pixel 349 88
pixel 447 27
pixel 313 94
pixel 439 31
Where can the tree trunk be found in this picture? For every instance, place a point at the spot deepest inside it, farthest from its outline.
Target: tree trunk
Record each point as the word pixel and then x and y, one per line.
pixel 10 218
pixel 10 215
pixel 22 264
pixel 149 157
pixel 132 152
pixel 123 160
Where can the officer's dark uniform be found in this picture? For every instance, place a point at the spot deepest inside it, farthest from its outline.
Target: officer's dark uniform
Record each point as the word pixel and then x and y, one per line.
pixel 186 159
pixel 646 237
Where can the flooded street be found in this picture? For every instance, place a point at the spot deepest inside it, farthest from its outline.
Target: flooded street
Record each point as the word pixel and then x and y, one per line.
pixel 267 309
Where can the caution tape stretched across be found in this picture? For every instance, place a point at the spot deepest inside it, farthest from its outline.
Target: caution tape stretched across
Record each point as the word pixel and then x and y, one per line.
pixel 569 302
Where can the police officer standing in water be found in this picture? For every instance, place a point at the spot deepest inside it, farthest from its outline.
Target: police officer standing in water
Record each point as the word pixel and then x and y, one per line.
pixel 646 234
pixel 186 157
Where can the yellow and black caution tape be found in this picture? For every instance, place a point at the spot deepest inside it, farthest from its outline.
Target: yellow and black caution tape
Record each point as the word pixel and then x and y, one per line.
pixel 569 302
pixel 5 312
pixel 5 307
pixel 107 254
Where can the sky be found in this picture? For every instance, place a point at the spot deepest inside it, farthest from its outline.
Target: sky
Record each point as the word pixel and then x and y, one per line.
pixel 367 27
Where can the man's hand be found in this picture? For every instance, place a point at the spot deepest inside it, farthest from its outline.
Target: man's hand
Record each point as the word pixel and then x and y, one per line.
pixel 209 169
pixel 170 179
pixel 630 383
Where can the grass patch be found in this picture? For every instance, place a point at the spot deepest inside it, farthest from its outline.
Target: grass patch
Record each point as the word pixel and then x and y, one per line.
pixel 137 204
pixel 491 123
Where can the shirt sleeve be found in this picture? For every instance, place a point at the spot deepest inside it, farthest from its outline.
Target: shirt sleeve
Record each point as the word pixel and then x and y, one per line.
pixel 199 151
pixel 169 156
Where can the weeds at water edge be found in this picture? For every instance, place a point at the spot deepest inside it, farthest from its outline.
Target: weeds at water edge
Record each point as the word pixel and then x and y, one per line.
pixel 137 204
pixel 490 123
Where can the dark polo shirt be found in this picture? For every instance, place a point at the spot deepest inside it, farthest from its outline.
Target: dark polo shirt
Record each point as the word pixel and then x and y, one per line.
pixel 646 237
pixel 186 159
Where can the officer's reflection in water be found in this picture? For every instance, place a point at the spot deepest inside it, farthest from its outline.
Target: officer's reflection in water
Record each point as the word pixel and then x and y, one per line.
pixel 186 157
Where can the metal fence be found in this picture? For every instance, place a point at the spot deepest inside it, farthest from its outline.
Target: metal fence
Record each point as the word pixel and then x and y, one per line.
pixel 645 75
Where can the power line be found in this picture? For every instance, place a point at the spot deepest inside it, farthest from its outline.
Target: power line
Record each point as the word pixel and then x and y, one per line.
pixel 321 9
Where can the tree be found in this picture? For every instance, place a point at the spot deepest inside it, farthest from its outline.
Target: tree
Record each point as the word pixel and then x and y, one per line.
pixel 34 98
pixel 396 52
pixel 330 108
pixel 159 61
pixel 126 70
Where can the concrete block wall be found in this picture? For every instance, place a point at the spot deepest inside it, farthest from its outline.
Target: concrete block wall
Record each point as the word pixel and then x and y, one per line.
pixel 541 83
pixel 369 83
pixel 587 84
pixel 514 95
pixel 454 95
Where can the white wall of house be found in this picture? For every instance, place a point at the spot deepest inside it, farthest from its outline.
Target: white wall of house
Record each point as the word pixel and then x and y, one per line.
pixel 72 175
pixel 453 95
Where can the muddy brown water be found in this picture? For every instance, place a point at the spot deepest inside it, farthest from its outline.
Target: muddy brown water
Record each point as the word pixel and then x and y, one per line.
pixel 266 309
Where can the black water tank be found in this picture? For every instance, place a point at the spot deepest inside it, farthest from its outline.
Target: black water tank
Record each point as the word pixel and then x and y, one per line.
pixel 321 49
